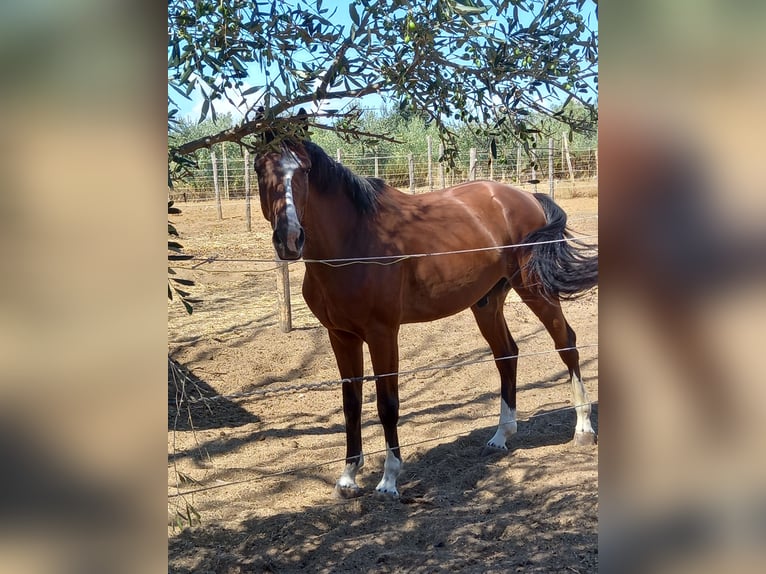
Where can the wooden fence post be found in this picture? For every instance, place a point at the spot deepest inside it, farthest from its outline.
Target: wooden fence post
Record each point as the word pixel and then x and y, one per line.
pixel 337 155
pixel 518 164
pixel 412 172
pixel 551 191
pixel 225 171
pixel 377 170
pixel 248 223
pixel 565 144
pixel 430 167
pixel 283 296
pixel 441 166
pixel 215 183
pixel 595 154
pixel 472 164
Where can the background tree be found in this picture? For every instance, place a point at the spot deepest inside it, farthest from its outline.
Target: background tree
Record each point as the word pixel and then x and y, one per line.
pixel 497 66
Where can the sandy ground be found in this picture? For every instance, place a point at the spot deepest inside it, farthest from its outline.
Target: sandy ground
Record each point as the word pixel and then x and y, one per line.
pixel 265 465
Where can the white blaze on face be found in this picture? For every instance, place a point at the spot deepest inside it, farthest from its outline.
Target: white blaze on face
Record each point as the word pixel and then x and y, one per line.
pixel 289 164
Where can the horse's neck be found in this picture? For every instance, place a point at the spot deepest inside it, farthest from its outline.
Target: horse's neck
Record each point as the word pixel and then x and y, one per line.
pixel 331 223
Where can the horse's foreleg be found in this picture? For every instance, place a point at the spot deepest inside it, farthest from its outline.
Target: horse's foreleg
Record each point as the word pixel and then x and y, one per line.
pixel 489 316
pixel 348 354
pixel 563 336
pixel 384 352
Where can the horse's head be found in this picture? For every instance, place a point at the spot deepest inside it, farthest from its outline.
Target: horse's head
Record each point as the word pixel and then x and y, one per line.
pixel 283 184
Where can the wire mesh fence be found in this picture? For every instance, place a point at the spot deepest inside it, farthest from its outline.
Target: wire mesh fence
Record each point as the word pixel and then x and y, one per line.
pixel 409 172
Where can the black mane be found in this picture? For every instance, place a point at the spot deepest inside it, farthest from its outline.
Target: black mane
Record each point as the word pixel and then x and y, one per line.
pixel 326 172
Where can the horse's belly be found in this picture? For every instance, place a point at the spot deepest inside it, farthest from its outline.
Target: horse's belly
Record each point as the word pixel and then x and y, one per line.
pixel 426 291
pixel 441 295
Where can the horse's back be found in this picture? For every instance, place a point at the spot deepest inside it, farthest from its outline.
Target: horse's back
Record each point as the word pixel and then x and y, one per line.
pixel 473 192
pixel 509 213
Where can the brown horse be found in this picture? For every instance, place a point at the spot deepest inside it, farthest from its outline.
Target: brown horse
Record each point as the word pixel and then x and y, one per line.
pixel 320 210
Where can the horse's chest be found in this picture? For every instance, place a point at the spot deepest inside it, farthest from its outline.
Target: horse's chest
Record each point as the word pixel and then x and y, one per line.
pixel 348 302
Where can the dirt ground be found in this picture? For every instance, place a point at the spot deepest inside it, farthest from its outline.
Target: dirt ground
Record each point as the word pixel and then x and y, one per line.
pixel 266 464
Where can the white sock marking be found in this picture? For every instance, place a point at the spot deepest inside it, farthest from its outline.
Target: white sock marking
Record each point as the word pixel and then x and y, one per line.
pixel 348 477
pixel 582 406
pixel 506 428
pixel 391 470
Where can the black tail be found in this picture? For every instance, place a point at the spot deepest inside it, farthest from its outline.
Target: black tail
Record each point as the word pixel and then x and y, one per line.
pixel 562 269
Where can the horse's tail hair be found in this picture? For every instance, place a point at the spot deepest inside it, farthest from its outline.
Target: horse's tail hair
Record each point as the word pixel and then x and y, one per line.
pixel 560 266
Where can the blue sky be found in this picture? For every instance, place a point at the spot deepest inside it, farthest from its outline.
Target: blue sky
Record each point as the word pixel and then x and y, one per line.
pixel 192 108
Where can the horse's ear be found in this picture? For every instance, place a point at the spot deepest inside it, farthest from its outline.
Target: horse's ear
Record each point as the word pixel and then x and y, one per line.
pixel 268 135
pixel 303 123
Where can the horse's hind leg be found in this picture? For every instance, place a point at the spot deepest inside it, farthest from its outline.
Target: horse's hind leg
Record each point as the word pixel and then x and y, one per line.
pixel 552 317
pixel 489 316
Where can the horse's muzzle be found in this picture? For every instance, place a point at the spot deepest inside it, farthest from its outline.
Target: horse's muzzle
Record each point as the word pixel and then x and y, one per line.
pixel 288 242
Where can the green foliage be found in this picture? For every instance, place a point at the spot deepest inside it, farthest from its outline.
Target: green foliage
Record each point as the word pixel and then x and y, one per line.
pixel 410 133
pixel 186 516
pixel 492 65
pixel 175 253
pixel 186 130
pixel 583 137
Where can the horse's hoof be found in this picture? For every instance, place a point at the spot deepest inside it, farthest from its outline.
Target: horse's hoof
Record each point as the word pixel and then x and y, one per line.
pixel 386 494
pixel 347 492
pixel 584 438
